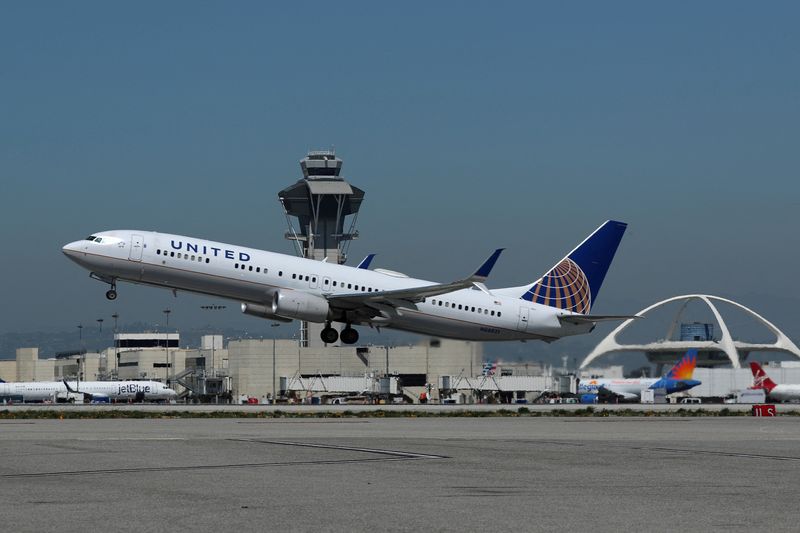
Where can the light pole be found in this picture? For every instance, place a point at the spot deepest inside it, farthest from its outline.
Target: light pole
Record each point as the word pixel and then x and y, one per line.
pixel 80 338
pixel 166 312
pixel 274 388
pixel 115 316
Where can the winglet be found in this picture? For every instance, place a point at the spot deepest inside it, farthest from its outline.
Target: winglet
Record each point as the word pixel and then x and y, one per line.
pixel 483 272
pixel 364 264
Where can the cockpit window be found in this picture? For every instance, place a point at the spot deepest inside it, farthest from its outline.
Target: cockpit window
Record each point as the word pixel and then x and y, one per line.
pixel 99 239
pixel 91 237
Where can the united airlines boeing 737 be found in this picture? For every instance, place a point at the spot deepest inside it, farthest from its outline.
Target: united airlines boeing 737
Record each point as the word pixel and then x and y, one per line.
pixel 282 287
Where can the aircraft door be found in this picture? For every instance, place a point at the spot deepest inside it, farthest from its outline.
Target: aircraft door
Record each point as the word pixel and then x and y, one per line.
pixel 326 284
pixel 137 244
pixel 524 313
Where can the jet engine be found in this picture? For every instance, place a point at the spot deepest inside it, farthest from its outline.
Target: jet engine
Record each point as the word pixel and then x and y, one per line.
pixel 300 305
pixel 262 311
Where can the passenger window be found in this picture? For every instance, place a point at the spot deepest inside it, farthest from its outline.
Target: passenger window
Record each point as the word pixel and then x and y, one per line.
pixel 334 283
pixel 258 269
pixel 251 268
pixel 208 260
pixel 485 311
pixel 492 313
pixel 179 255
pixel 294 276
pixel 192 258
pixel 499 313
pixel 349 285
pixel 158 252
pixel 440 303
pixel 172 254
pixel 236 265
pixel 280 273
pixel 306 278
pixel 314 280
pixel 459 307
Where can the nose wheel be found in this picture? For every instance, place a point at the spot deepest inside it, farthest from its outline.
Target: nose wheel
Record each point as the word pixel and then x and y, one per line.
pixel 111 294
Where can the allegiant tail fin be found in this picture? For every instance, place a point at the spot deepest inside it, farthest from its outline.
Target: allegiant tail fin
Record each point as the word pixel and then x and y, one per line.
pixel 574 282
pixel 760 378
pixel 684 368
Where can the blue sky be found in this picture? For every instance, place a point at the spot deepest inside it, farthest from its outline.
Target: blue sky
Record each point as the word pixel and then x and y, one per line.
pixel 470 126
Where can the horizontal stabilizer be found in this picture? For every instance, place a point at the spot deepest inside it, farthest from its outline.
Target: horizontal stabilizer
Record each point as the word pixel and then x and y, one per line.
pixel 586 319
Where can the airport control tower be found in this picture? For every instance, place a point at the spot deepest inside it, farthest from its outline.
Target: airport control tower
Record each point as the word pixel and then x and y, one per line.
pixel 318 207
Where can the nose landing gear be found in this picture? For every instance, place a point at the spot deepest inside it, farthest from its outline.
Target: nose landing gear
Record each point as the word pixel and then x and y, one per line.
pixel 111 294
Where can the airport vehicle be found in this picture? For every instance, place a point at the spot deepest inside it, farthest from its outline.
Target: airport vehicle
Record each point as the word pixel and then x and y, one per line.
pixel 775 392
pixel 678 379
pixel 64 391
pixel 282 287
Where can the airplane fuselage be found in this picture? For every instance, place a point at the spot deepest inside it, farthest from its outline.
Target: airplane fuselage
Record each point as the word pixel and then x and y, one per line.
pixel 38 391
pixel 253 276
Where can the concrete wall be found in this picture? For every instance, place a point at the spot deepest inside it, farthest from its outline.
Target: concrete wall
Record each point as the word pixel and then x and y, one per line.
pixel 250 361
pixel 8 370
pixel 141 364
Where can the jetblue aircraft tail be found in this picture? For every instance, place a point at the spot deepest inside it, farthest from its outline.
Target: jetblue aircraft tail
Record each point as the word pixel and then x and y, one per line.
pixel 574 282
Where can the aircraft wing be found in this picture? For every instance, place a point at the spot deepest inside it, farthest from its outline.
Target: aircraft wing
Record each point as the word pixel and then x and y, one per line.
pixel 400 297
pixel 623 394
pixel 585 319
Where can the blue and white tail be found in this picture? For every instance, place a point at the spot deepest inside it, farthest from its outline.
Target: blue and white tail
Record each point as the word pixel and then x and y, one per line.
pixel 574 282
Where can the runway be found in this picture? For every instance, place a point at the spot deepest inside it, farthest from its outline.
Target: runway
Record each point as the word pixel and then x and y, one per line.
pixel 432 474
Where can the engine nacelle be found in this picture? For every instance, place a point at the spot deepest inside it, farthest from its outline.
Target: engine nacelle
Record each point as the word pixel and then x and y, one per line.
pixel 262 311
pixel 300 305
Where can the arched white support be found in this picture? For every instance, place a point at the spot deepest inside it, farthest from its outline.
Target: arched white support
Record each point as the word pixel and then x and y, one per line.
pixel 726 343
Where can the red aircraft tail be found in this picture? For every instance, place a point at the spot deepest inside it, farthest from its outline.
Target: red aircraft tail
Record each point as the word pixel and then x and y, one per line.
pixel 760 378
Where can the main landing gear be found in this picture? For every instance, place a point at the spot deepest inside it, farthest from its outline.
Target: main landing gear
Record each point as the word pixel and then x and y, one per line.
pixel 330 335
pixel 349 335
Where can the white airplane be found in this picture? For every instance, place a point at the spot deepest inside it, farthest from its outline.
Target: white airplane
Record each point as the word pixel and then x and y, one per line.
pixel 678 379
pixel 282 287
pixel 781 393
pixel 39 391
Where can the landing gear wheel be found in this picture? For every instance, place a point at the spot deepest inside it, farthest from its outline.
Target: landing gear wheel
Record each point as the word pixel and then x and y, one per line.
pixel 111 294
pixel 349 335
pixel 329 335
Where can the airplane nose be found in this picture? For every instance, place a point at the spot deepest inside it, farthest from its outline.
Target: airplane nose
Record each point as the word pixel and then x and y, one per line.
pixel 70 248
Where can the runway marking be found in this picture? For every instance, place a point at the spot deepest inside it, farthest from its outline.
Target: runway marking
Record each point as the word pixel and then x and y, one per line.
pixel 392 453
pixel 686 451
pixel 386 456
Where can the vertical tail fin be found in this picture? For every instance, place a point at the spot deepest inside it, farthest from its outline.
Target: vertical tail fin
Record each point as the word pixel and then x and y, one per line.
pixel 574 282
pixel 760 378
pixel 684 368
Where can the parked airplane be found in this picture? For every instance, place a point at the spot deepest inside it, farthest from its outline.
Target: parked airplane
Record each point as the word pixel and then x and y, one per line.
pixel 281 287
pixel 678 379
pixel 39 391
pixel 780 393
